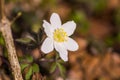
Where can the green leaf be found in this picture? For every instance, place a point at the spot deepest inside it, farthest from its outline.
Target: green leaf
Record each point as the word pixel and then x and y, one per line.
pixel 35 27
pixel 24 40
pixel 30 37
pixel 23 66
pixel 5 52
pixel 29 74
pixel 53 67
pixel 80 18
pixel 60 61
pixel 62 69
pixel 118 37
pixel 117 17
pixel 2 42
pixel 26 59
pixel 109 41
pixel 29 58
pixel 35 68
pixel 99 5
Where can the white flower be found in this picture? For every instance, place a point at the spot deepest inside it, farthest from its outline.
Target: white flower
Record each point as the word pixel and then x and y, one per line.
pixel 58 36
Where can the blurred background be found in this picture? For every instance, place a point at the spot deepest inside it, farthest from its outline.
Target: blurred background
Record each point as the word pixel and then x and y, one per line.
pixel 97 33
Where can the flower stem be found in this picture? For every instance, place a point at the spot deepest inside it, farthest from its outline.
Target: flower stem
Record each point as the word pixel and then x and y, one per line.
pixel 57 55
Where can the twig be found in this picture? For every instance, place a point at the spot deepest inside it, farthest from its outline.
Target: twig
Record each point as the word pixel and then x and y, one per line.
pixel 2 9
pixel 7 35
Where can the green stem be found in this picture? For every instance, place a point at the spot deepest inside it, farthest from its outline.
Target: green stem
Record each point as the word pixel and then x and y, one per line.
pixel 57 55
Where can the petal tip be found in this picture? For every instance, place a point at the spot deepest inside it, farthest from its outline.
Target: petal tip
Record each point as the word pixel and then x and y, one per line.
pixel 77 47
pixel 74 23
pixel 43 50
pixel 65 60
pixel 44 21
pixel 54 13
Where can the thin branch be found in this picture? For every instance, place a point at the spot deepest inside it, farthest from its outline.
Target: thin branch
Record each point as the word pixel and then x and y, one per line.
pixel 7 35
pixel 2 9
pixel 12 56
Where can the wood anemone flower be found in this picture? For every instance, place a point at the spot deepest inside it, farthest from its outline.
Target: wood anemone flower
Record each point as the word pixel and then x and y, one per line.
pixel 58 36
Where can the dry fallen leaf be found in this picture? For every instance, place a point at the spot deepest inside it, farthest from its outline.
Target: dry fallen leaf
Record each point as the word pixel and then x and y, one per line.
pixel 89 67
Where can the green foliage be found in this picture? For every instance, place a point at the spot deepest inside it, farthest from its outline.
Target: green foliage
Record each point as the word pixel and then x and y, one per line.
pixel 31 22
pixel 35 68
pixel 58 65
pixel 82 1
pixel 109 41
pixel 26 59
pixel 24 40
pixel 23 66
pixel 31 69
pixel 29 40
pixel 5 52
pixel 80 18
pixel 35 27
pixel 62 69
pixel 98 6
pixel 118 37
pixel 50 3
pixel 53 67
pixel 2 42
pixel 117 17
pixel 28 67
pixel 29 59
pixel 28 74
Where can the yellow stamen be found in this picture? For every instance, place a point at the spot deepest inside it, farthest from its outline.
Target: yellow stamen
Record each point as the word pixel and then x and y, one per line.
pixel 60 35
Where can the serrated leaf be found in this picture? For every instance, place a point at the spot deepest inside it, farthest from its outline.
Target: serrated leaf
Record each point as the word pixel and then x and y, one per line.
pixel 23 66
pixel 35 68
pixel 24 40
pixel 62 69
pixel 53 67
pixel 29 74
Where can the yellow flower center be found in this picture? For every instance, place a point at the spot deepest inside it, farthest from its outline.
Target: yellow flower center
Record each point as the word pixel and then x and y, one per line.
pixel 60 35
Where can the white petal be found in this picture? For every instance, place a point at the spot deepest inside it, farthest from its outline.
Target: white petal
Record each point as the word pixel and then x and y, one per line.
pixel 62 51
pixel 47 45
pixel 47 28
pixel 71 44
pixel 69 27
pixel 55 20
